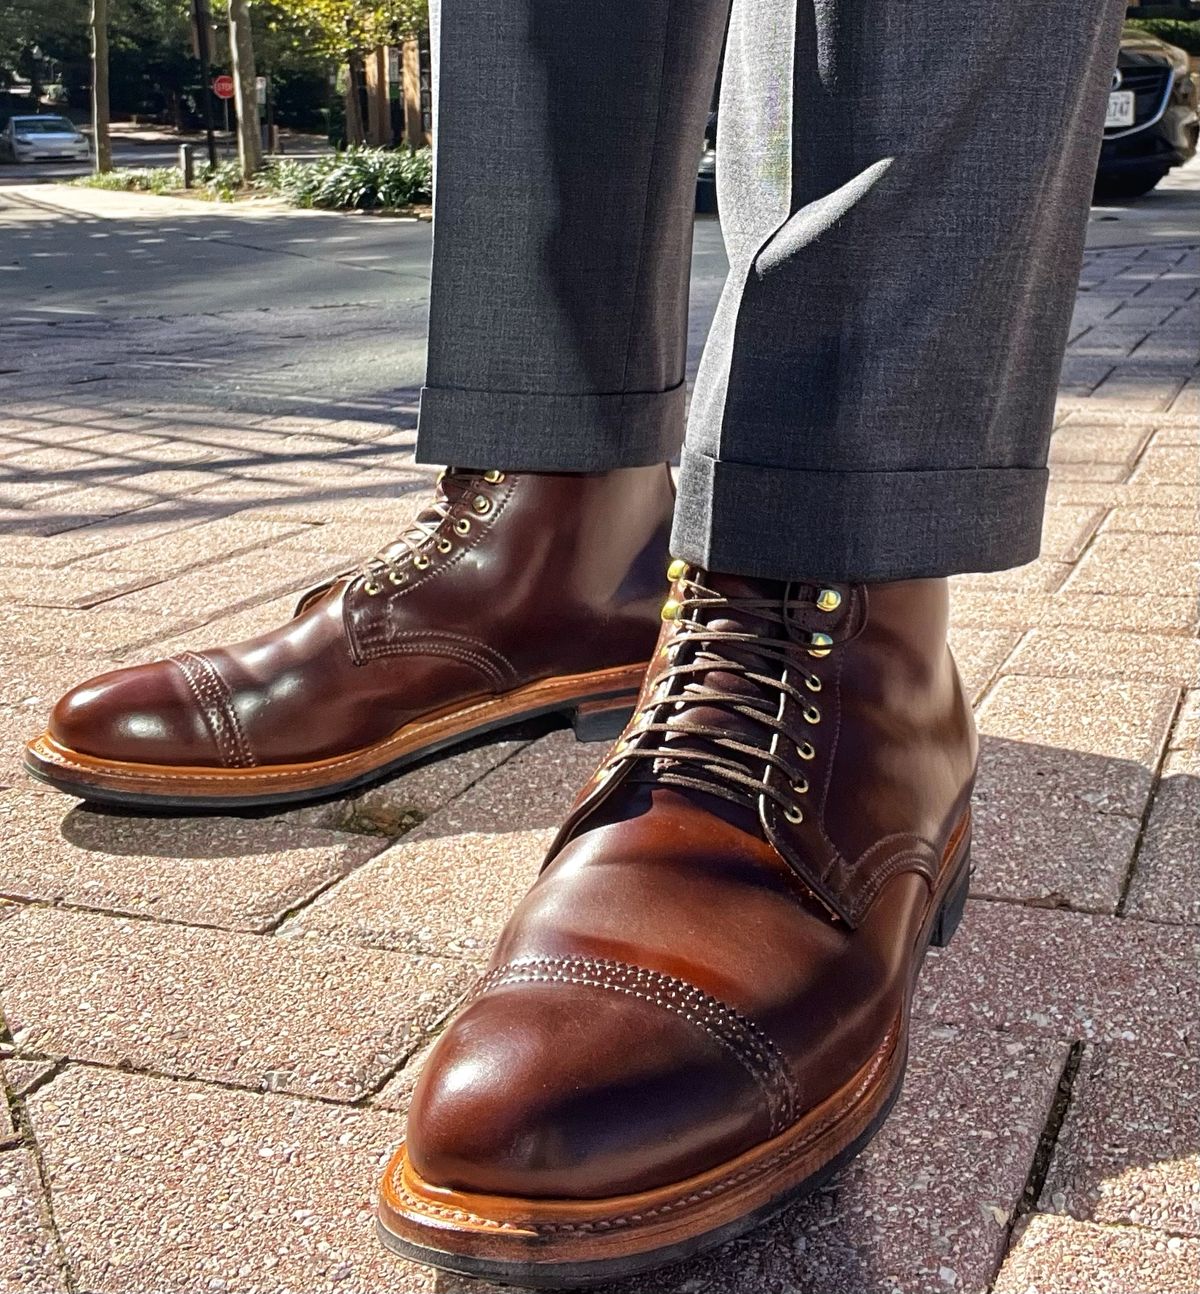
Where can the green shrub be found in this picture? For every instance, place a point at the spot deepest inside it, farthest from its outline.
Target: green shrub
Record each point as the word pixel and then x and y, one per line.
pixel 362 179
pixel 1175 31
pixel 221 181
pixel 145 179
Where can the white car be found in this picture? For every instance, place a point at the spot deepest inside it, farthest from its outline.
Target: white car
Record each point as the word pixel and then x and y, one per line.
pixel 44 138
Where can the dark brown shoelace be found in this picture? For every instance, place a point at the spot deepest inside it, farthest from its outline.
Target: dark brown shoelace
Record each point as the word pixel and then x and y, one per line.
pixel 715 719
pixel 459 491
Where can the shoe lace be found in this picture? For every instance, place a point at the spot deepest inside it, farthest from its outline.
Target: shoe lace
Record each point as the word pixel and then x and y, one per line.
pixel 715 719
pixel 458 497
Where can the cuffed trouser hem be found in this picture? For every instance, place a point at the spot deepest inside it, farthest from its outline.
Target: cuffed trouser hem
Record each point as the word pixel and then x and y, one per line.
pixel 531 432
pixel 775 523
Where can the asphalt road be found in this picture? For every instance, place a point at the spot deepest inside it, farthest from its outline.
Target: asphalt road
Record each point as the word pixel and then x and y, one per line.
pixel 297 308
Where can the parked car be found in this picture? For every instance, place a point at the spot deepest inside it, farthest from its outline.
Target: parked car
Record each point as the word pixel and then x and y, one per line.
pixel 1152 123
pixel 43 138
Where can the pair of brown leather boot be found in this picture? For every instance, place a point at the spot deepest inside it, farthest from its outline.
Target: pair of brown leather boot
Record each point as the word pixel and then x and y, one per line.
pixel 701 1008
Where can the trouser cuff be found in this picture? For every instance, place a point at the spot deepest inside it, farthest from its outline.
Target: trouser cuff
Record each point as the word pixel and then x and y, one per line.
pixel 776 523
pixel 531 432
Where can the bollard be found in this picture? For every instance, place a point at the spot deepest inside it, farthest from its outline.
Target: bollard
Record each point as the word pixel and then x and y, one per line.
pixel 187 165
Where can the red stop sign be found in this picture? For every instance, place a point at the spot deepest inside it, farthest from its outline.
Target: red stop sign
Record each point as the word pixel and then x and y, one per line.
pixel 223 87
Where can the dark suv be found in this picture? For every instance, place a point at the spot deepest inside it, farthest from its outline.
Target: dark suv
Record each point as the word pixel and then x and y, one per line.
pixel 1152 120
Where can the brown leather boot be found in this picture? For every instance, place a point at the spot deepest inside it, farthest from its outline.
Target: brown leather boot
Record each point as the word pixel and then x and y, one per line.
pixel 701 1008
pixel 512 595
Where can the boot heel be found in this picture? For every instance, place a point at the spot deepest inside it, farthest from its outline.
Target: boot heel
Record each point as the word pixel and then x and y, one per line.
pixel 952 908
pixel 601 720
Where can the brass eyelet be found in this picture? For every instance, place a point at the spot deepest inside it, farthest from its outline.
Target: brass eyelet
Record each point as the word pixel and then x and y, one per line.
pixel 444 545
pixel 676 569
pixel 829 600
pixel 794 814
pixel 395 577
pixel 806 750
pixel 670 609
pixel 421 562
pixel 800 787
pixel 812 714
pixel 820 644
pixel 813 683
pixel 463 525
pixel 482 504
pixel 371 589
pixel 493 477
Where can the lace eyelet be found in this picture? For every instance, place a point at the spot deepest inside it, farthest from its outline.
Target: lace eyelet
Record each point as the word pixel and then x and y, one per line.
pixel 395 577
pixel 481 504
pixel 821 645
pixel 463 525
pixel 371 589
pixel 800 787
pixel 813 683
pixel 444 545
pixel 829 600
pixel 794 814
pixel 421 562
pixel 493 477
pixel 812 714
pixel 806 750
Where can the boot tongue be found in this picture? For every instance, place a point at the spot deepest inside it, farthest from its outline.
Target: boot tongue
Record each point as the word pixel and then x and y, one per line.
pixel 689 713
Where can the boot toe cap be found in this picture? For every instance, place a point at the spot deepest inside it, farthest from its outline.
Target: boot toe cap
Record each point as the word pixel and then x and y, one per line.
pixel 559 1090
pixel 144 714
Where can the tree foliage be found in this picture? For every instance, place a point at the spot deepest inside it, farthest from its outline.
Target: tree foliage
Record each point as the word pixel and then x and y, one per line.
pixel 344 28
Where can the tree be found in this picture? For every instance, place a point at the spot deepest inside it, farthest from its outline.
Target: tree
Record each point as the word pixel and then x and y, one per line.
pixel 103 143
pixel 347 30
pixel 241 48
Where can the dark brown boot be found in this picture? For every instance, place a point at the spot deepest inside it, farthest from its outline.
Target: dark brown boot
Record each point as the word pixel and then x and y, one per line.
pixel 701 1008
pixel 513 595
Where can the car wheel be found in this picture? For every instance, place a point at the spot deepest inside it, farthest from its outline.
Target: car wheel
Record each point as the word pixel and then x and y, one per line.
pixel 1129 184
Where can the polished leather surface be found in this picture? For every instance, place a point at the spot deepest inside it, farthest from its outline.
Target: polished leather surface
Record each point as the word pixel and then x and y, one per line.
pixel 529 577
pixel 678 986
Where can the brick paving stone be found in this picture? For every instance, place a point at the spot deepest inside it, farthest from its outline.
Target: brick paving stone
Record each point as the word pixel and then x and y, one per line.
pixel 292 1015
pixel 1129 1148
pixel 1033 579
pixel 1168 464
pixel 1070 975
pixel 1089 445
pixel 231 627
pixel 1066 530
pixel 1054 1255
pixel 1145 519
pixel 404 801
pixel 1062 786
pixel 1180 494
pixel 446 895
pixel 1144 566
pixel 237 873
pixel 28 1262
pixel 1077 654
pixel 1166 883
pixel 176 1186
pixel 974 609
pixel 449 885
pixel 979 654
pixel 531 791
pixel 43 631
pixel 397 1093
pixel 1186 735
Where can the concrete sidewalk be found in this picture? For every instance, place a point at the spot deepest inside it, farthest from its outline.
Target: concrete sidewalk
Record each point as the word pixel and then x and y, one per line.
pixel 212 1025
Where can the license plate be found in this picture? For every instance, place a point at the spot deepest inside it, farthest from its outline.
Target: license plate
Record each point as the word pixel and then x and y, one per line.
pixel 1120 109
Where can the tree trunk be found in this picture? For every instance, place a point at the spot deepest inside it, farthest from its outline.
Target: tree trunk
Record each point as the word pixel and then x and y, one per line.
pixel 103 144
pixel 355 133
pixel 241 48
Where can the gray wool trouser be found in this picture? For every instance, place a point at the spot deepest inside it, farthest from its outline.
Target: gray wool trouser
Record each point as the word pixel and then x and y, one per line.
pixel 903 189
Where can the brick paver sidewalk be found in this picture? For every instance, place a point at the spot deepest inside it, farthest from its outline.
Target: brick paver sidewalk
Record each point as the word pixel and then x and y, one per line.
pixel 213 1024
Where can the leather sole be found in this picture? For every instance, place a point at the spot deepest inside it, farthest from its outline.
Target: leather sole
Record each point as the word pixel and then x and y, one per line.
pixel 562 1244
pixel 598 703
